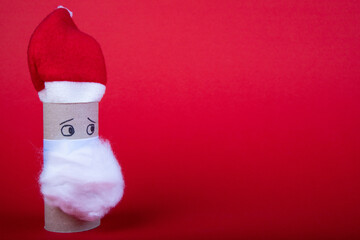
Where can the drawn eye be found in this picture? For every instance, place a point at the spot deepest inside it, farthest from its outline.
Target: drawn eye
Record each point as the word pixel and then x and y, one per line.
pixel 90 129
pixel 67 130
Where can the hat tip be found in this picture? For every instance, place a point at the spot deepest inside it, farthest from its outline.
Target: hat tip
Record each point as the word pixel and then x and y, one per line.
pixel 70 12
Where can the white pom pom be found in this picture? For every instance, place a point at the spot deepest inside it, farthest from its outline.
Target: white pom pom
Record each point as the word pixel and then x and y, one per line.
pixel 70 12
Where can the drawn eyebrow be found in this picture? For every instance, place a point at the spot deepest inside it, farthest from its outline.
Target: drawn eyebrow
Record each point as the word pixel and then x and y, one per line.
pixel 66 121
pixel 91 120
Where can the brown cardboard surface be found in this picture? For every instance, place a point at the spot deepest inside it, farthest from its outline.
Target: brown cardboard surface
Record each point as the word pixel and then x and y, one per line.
pixel 55 115
pixel 57 221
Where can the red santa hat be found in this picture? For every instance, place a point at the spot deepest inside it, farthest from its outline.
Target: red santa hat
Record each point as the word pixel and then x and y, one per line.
pixel 66 65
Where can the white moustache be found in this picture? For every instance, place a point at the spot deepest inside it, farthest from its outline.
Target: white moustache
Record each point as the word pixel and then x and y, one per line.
pixel 82 177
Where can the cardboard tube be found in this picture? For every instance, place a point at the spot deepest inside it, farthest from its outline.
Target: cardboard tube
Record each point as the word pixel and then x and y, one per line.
pixel 79 116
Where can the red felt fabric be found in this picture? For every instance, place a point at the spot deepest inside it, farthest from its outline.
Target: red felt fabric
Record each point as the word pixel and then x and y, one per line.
pixel 59 51
pixel 231 119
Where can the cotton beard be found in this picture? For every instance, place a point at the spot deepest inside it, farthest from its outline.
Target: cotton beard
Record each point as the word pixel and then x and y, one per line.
pixel 82 177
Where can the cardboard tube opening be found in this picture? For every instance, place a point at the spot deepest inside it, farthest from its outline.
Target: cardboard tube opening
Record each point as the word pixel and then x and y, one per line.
pixel 56 115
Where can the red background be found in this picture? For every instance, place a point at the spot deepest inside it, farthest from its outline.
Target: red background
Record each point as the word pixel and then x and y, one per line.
pixel 231 119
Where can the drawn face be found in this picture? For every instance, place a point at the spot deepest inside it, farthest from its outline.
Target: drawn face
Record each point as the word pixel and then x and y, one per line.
pixel 67 130
pixel 70 121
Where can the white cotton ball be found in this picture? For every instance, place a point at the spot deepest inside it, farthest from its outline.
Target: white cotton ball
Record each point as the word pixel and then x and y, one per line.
pixel 70 12
pixel 82 177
